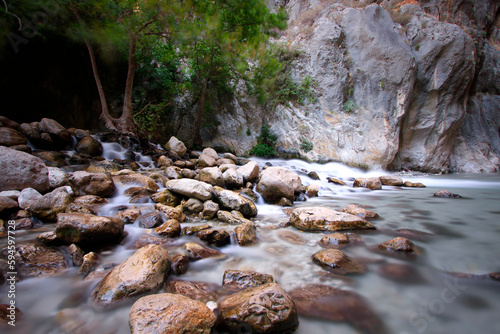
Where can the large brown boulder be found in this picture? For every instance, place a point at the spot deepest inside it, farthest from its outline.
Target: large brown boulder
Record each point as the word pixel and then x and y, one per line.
pixel 324 219
pixel 399 245
pixel 22 170
pixel 90 146
pixel 11 137
pixel 337 262
pixel 191 188
pixel 278 182
pixel 57 132
pixel 165 197
pixel 145 271
pixel 233 178
pixel 262 309
pixel 389 180
pixel 372 183
pixel 87 229
pixel 49 205
pixel 170 313
pixel 36 260
pixel 7 205
pixel 99 184
pixel 229 200
pixel 333 304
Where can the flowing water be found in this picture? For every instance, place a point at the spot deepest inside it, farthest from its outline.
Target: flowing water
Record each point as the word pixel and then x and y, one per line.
pixel 462 236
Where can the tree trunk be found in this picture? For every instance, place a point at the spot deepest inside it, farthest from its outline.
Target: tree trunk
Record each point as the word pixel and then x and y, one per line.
pixel 125 123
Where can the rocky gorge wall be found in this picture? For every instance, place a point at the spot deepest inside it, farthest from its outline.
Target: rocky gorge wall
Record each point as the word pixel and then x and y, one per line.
pixel 399 85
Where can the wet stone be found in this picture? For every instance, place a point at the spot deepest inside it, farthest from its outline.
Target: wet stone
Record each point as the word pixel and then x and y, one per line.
pixel 333 304
pixel 446 194
pixel 240 279
pixel 336 181
pixel 200 291
pixel 245 234
pixel 399 245
pixel 335 240
pixel 192 230
pixel 129 216
pixel 291 237
pixel 171 229
pixel 337 262
pixel 389 180
pixel 179 264
pixel 324 219
pixel 76 255
pixel 413 184
pixel 357 210
pixel 216 237
pixel 372 183
pixel 198 252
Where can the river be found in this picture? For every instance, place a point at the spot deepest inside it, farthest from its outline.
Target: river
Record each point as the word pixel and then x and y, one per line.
pixel 462 236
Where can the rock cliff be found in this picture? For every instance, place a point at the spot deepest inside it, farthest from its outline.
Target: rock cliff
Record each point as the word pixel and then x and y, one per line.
pixel 399 85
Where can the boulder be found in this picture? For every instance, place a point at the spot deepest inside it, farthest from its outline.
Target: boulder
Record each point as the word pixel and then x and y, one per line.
pixel 104 166
pixel 7 204
pixel 27 197
pixel 335 181
pixel 261 309
pixel 278 182
pixel 200 291
pixel 198 252
pixel 150 239
pixel 230 218
pixel 413 184
pixel 180 264
pixel 177 146
pixel 191 188
pixel 211 153
pixel 389 180
pixel 173 173
pixel 446 194
pixel 4 121
pixel 90 146
pixel 22 170
pixel 129 216
pixel 225 162
pixel 216 237
pixel 212 175
pixel 206 161
pixel 192 230
pixel 357 210
pixel 245 234
pixel 372 183
pixel 193 205
pixel 337 262
pixel 58 133
pixel 37 260
pixel 11 137
pixel 312 190
pixel 99 184
pixel 49 205
pixel 250 171
pixel 233 179
pixel 90 200
pixel 399 245
pixel 210 209
pixel 86 229
pixel 165 197
pixel 333 304
pixel 57 177
pixel 284 202
pixel 170 313
pixel 229 200
pixel 240 279
pixel 51 158
pixel 170 212
pixel 150 220
pixel 76 254
pixel 145 271
pixel 324 219
pixel 335 240
pixel 137 180
pixel 171 229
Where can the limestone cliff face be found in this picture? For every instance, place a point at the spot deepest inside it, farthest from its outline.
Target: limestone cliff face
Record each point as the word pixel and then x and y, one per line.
pixel 423 94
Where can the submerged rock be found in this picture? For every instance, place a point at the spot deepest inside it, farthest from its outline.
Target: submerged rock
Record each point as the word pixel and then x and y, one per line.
pixel 336 240
pixel 198 252
pixel 337 262
pixel 400 245
pixel 333 304
pixel 200 291
pixel 179 264
pixel 357 210
pixel 262 309
pixel 170 313
pixel 145 271
pixel 240 279
pixel 446 194
pixel 413 184
pixel 324 219
pixel 372 183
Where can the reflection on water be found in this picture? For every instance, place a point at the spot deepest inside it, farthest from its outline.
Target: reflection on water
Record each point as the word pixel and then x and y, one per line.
pixel 410 295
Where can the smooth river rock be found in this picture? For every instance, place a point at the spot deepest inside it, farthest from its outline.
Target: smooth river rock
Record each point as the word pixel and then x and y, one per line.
pixel 99 184
pixel 337 262
pixel 22 170
pixel 229 200
pixel 324 219
pixel 145 271
pixel 278 182
pixel 191 188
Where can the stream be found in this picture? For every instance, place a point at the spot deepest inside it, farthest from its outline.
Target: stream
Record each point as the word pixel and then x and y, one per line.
pixel 461 236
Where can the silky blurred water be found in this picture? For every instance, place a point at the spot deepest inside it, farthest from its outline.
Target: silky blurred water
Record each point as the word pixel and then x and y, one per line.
pixel 464 238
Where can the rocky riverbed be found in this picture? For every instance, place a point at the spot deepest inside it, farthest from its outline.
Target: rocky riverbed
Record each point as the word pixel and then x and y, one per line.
pixel 113 236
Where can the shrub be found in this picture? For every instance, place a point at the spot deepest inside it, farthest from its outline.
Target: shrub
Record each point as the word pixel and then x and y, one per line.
pixel 349 106
pixel 265 143
pixel 305 145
